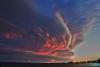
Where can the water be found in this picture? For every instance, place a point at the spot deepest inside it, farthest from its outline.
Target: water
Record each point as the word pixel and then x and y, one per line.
pixel 88 64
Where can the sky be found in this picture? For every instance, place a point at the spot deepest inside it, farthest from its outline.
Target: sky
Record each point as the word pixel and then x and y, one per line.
pixel 91 44
pixel 27 15
pixel 90 48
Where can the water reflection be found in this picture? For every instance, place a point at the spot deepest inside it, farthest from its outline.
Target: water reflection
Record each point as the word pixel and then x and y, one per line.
pixel 88 64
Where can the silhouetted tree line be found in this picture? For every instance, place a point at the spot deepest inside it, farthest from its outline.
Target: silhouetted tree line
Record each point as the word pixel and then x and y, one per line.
pixel 95 61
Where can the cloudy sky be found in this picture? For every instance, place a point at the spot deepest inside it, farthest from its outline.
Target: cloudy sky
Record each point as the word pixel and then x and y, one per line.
pixel 29 14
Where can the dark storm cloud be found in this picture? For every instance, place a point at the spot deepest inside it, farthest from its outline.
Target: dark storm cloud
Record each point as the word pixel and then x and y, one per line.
pixel 20 16
pixel 17 15
pixel 8 55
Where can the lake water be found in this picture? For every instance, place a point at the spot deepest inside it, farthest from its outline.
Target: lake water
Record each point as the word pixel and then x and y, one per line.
pixel 88 64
